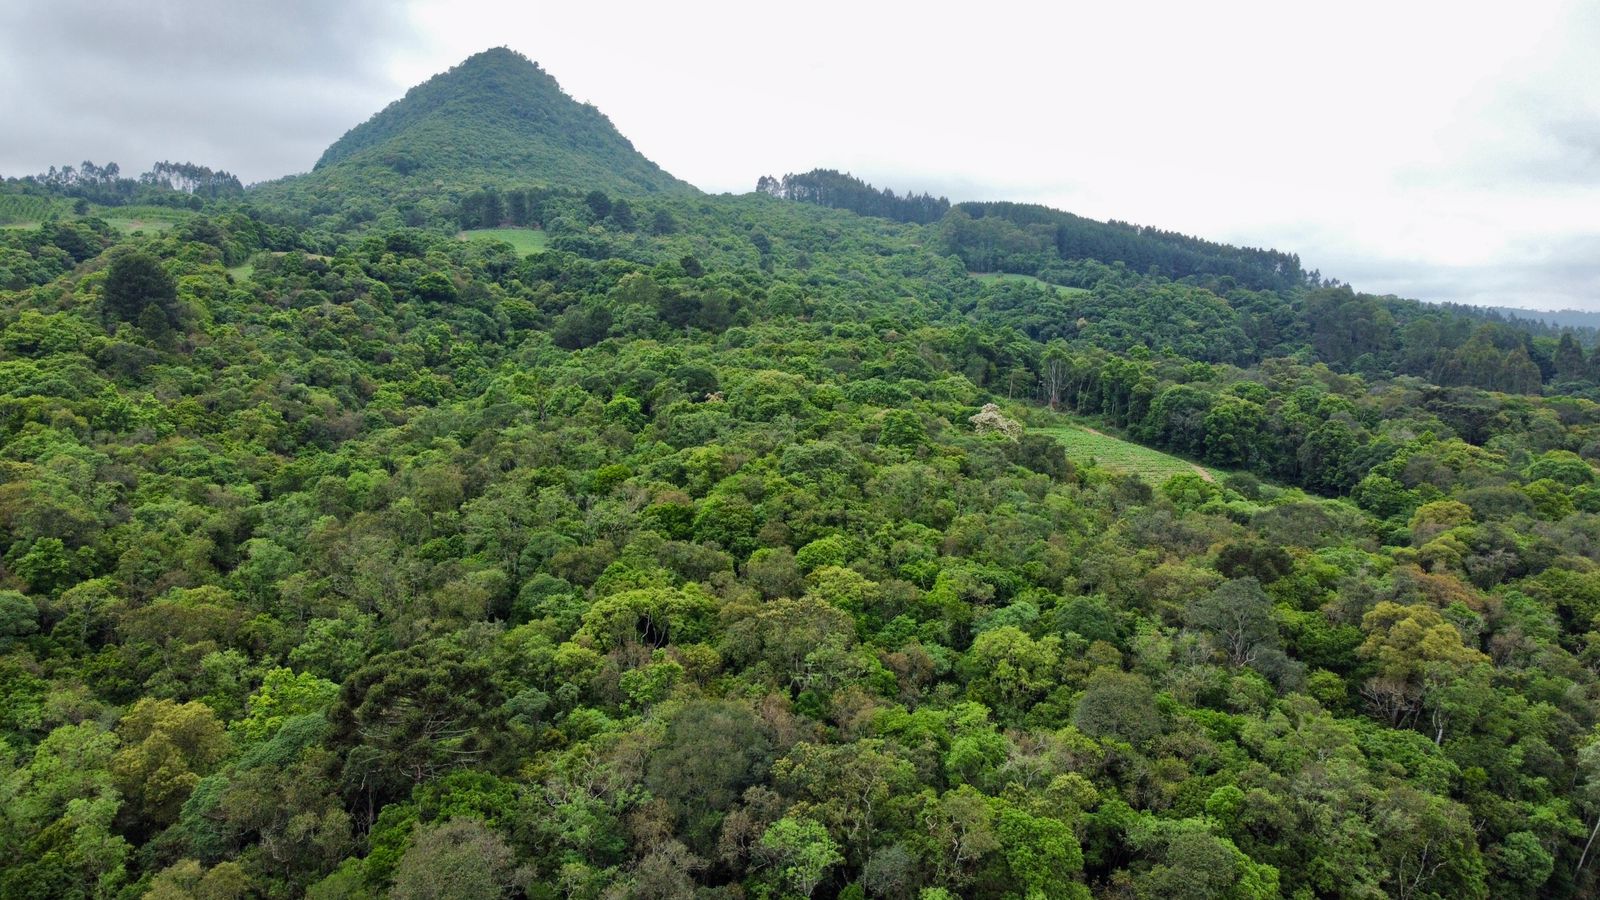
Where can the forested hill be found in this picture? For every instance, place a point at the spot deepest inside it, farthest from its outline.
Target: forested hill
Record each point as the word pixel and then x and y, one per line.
pixel 1015 237
pixel 496 118
pixel 1025 238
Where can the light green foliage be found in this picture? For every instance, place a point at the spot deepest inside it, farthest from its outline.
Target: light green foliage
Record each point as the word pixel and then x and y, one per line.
pixel 1042 855
pixel 188 879
pixel 803 853
pixel 1010 670
pixel 283 695
pixel 651 615
pixel 1194 864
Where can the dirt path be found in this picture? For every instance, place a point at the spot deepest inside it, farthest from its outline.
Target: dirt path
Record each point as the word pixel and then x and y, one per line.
pixel 1204 475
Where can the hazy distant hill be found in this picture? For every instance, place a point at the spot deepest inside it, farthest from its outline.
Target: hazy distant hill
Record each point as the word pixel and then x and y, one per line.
pixel 1561 318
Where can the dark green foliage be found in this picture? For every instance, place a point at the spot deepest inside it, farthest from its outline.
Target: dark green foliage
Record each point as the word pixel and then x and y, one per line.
pixel 408 717
pixel 711 752
pixel 1118 705
pixel 136 283
pixel 1009 236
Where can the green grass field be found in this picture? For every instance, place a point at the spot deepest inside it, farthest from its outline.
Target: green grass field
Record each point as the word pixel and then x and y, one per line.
pixel 17 211
pixel 128 219
pixel 1118 455
pixel 525 240
pixel 128 224
pixel 1025 279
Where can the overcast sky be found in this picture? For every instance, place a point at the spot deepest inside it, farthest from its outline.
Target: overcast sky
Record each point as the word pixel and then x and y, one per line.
pixel 1439 150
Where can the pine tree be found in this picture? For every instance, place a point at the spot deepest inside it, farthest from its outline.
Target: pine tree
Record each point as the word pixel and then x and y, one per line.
pixel 1570 363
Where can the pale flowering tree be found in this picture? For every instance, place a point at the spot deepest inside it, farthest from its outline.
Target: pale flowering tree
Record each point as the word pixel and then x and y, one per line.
pixel 990 420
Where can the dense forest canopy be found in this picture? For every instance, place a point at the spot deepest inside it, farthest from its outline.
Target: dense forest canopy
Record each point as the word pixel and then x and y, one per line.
pixel 726 547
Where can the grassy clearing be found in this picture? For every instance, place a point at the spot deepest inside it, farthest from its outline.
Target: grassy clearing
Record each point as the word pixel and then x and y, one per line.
pixel 1025 279
pixel 128 219
pixel 128 225
pixel 247 270
pixel 1082 443
pixel 525 240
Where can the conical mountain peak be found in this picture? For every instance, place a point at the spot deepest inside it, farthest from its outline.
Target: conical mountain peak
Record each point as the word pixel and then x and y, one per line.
pixel 496 118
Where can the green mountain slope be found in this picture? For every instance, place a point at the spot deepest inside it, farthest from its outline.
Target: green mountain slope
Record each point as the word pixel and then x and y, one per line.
pixel 496 118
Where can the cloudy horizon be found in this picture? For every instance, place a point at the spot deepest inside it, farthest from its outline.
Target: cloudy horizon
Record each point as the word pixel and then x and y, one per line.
pixel 1445 152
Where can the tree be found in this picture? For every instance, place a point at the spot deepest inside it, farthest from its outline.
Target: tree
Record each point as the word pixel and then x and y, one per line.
pixel 1427 845
pixel 990 420
pixel 803 852
pixel 711 752
pixel 622 217
pixel 960 827
pixel 785 631
pixel 282 696
pixel 493 209
pixel 1120 705
pixel 1235 433
pixel 1054 370
pixel 408 716
pixel 166 748
pixel 459 858
pixel 1009 671
pixel 135 282
pixel 1569 361
pixel 1414 651
pixel 60 835
pixel 1042 855
pixel 1191 863
pixel 582 325
pixel 1238 617
pixel 1588 796
pixel 435 287
pixel 902 428
pixel 850 788
pixel 187 879
pixel 19 617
